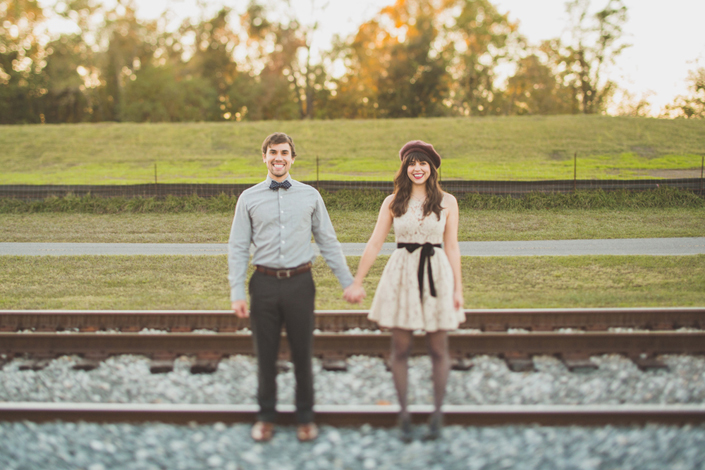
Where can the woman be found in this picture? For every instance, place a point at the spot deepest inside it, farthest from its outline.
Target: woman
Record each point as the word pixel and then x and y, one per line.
pixel 421 287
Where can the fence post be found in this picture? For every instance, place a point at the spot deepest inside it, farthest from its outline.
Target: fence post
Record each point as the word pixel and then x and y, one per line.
pixel 702 168
pixel 575 172
pixel 317 188
pixel 155 173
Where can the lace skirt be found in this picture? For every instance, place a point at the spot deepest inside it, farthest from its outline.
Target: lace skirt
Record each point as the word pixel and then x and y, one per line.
pixel 397 303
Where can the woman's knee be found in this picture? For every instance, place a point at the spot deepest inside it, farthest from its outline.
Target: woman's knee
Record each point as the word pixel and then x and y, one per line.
pixel 438 354
pixel 401 346
pixel 437 346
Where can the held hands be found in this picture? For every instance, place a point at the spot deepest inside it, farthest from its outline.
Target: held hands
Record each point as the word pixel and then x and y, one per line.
pixel 240 308
pixel 354 293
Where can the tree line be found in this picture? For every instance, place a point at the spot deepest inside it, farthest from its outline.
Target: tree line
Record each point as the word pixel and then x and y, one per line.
pixel 415 58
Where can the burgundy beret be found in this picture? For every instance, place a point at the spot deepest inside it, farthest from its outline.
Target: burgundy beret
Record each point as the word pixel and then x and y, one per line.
pixel 420 146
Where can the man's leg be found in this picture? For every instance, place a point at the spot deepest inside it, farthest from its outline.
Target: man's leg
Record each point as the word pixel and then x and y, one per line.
pixel 266 324
pixel 297 301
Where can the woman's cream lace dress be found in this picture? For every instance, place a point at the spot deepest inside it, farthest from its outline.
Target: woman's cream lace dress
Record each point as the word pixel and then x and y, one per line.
pixel 397 302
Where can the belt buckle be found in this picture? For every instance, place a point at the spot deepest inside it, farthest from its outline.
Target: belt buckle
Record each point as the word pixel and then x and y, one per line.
pixel 285 271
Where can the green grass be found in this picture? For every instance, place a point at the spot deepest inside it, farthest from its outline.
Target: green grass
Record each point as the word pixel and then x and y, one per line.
pixel 351 200
pixel 355 226
pixel 199 282
pixel 499 148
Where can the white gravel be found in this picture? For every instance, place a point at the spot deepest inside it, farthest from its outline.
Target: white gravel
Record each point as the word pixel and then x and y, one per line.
pixel 59 446
pixel 127 379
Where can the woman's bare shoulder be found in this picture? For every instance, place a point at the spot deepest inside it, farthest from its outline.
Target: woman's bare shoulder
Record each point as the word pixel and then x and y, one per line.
pixel 449 200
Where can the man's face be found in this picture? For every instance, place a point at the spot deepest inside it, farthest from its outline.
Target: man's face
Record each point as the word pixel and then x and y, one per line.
pixel 278 160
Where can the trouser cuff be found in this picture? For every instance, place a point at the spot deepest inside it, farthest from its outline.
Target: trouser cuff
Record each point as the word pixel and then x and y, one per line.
pixel 267 416
pixel 304 416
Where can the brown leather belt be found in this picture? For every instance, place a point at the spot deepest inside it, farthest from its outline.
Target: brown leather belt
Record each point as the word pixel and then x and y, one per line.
pixel 284 273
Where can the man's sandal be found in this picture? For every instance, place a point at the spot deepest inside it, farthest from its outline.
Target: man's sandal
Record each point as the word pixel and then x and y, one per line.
pixel 262 431
pixel 306 432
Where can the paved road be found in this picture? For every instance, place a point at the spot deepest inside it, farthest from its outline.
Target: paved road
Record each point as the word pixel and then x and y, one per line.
pixel 631 246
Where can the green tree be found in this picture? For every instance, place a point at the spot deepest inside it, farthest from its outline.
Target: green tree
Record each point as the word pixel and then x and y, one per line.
pixel 212 61
pixel 596 40
pixel 535 89
pixel 131 45
pixel 158 94
pixel 287 85
pixel 691 106
pixel 482 38
pixel 66 99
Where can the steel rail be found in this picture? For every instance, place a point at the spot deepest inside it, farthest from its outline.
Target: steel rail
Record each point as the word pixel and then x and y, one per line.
pixel 343 345
pixel 592 319
pixel 375 415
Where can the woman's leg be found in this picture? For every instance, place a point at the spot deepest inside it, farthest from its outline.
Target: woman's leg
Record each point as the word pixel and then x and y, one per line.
pixel 440 358
pixel 401 348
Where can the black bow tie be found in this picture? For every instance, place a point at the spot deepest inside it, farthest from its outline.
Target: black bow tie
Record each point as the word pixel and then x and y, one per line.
pixel 274 185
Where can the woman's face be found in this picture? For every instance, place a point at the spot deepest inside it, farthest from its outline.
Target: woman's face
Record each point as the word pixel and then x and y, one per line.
pixel 418 172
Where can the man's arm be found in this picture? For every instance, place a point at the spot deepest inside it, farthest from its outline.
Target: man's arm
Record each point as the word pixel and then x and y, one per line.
pixel 328 244
pixel 238 256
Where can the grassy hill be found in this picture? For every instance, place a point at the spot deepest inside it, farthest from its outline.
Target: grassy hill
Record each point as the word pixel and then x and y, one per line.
pixel 501 148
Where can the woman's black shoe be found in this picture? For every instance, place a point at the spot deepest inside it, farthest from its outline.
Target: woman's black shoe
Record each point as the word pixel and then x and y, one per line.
pixel 405 432
pixel 435 426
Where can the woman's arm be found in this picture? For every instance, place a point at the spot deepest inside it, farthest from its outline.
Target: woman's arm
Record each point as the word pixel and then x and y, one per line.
pixel 374 245
pixel 451 247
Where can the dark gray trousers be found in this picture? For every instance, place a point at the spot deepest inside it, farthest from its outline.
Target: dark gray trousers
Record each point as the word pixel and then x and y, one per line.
pixel 274 302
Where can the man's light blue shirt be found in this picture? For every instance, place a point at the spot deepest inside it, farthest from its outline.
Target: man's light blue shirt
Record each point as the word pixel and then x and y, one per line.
pixel 279 224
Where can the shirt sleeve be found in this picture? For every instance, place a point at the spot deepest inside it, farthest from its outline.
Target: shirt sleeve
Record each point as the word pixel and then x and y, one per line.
pixel 239 250
pixel 328 244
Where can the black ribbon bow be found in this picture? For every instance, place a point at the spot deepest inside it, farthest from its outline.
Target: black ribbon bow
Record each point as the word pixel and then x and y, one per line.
pixel 274 185
pixel 427 251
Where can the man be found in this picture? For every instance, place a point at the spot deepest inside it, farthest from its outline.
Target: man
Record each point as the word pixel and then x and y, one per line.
pixel 278 217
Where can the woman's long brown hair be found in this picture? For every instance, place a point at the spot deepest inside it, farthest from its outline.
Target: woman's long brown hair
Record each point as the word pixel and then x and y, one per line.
pixel 402 187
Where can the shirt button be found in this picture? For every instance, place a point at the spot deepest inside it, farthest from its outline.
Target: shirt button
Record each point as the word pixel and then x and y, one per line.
pixel 282 226
pixel 282 242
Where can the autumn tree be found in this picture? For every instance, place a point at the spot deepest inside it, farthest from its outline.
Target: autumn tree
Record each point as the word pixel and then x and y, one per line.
pixel 22 60
pixel 397 64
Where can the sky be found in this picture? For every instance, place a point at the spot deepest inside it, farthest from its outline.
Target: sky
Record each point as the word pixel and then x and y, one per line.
pixel 667 37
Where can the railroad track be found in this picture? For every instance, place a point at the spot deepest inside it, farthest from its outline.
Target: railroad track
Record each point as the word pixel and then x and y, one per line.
pixel 573 335
pixel 595 319
pixel 208 349
pixel 487 332
pixel 374 415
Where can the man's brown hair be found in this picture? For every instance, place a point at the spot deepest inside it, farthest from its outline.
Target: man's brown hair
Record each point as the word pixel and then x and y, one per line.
pixel 278 138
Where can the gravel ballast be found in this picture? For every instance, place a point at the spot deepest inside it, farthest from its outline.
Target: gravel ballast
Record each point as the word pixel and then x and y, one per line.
pixel 158 446
pixel 127 379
